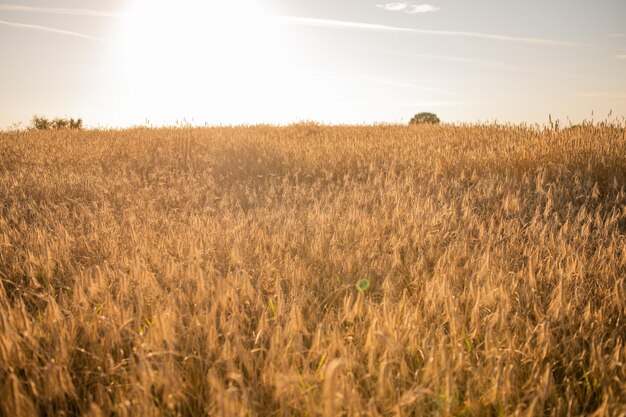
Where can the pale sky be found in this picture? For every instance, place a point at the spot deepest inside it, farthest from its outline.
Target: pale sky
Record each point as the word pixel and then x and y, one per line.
pixel 117 63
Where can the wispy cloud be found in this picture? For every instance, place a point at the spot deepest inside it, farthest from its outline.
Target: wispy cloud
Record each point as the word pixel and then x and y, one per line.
pixel 408 8
pixel 57 10
pixel 49 29
pixel 499 65
pixel 616 35
pixel 384 81
pixel 394 7
pixel 433 104
pixel 407 85
pixel 342 24
pixel 444 57
pixel 604 95
pixel 422 8
pixel 410 105
pixel 622 57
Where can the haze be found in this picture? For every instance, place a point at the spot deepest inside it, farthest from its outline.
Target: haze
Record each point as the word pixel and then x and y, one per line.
pixel 121 63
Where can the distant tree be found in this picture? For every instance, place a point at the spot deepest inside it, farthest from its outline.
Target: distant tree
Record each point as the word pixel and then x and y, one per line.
pixel 425 118
pixel 59 124
pixel 43 123
pixel 76 124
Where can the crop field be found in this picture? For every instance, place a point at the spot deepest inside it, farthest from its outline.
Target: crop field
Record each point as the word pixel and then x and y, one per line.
pixel 311 270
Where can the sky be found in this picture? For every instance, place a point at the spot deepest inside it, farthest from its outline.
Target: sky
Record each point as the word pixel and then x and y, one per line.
pixel 128 62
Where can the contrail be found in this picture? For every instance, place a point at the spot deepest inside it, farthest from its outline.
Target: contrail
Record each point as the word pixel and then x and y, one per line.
pixel 342 24
pixel 49 29
pixel 406 85
pixel 377 80
pixel 58 10
pixel 499 65
pixel 604 95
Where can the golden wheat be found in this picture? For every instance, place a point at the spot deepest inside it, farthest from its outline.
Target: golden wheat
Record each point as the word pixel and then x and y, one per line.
pixel 188 272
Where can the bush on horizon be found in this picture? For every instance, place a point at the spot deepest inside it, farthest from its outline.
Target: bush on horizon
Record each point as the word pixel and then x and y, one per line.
pixel 425 118
pixel 43 123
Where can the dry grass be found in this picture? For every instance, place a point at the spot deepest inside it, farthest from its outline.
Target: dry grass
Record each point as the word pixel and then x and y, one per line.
pixel 212 272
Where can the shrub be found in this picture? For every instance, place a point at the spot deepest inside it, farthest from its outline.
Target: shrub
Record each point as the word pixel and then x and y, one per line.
pixel 43 123
pixel 425 118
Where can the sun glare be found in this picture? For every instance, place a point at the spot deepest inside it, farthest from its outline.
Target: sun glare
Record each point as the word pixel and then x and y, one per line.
pixel 199 59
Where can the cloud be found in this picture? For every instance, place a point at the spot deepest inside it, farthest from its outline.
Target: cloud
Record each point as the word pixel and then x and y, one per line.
pixel 424 104
pixel 57 10
pixel 500 65
pixel 49 29
pixel 422 8
pixel 410 86
pixel 493 64
pixel 604 95
pixel 54 10
pixel 376 80
pixel 342 24
pixel 408 8
pixel 394 7
pixel 616 35
pixel 622 57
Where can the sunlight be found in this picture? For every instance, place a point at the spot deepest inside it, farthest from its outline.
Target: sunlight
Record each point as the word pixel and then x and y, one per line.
pixel 199 59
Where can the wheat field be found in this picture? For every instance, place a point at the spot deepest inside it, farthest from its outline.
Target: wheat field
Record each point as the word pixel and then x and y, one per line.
pixel 213 271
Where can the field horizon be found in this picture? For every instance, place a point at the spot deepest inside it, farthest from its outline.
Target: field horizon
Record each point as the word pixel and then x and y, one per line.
pixel 549 125
pixel 314 270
